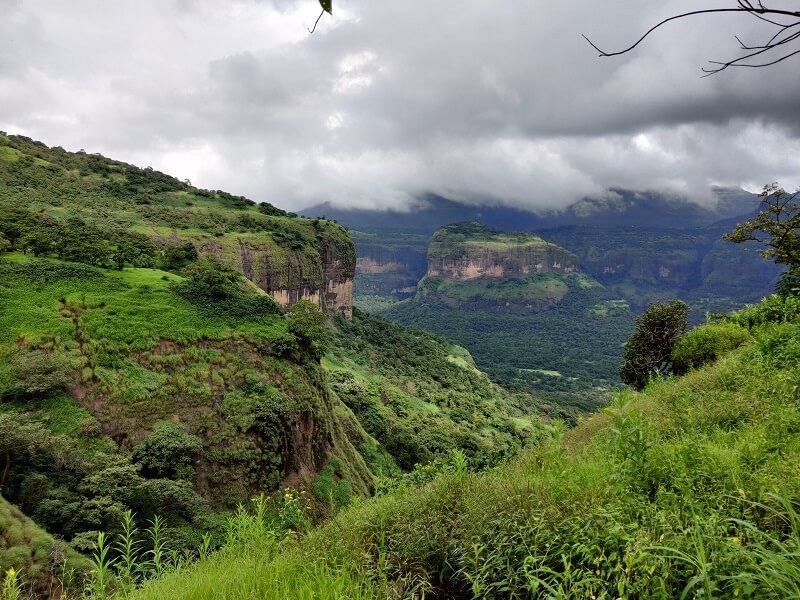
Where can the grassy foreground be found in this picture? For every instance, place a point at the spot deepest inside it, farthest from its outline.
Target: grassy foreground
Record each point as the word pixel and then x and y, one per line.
pixel 688 489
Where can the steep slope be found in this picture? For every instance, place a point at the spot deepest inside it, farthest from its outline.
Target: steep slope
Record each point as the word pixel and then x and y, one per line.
pixel 687 489
pixel 196 402
pixel 290 258
pixel 422 397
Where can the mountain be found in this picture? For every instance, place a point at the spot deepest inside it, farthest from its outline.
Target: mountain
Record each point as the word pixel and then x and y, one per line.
pixel 619 208
pixel 523 309
pixel 163 351
pixel 644 247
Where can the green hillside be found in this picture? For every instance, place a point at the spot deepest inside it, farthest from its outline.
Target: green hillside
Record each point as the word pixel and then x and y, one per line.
pixel 688 489
pixel 144 370
pixel 518 304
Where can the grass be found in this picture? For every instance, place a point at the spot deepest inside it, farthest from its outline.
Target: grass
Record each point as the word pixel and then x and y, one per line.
pixel 688 489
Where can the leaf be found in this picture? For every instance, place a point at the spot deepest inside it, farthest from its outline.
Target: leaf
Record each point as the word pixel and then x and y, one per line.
pixel 327 6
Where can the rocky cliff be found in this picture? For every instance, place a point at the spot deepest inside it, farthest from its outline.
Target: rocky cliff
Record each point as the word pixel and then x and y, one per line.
pixel 470 251
pixel 469 263
pixel 314 261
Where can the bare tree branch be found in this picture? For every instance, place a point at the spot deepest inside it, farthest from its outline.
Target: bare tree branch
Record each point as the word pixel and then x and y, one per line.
pixel 781 38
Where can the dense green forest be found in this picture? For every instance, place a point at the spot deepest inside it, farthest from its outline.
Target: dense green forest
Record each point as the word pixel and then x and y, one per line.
pixel 526 348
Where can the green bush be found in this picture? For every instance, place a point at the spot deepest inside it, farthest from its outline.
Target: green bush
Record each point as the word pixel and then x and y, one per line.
pixel 705 344
pixel 167 452
pixel 38 373
pixel 649 349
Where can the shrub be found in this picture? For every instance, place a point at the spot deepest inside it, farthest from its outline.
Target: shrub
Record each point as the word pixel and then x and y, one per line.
pixel 167 452
pixel 705 344
pixel 307 323
pixel 649 349
pixel 38 373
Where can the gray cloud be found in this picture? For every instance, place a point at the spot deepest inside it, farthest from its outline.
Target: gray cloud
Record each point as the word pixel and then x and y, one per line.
pixel 485 102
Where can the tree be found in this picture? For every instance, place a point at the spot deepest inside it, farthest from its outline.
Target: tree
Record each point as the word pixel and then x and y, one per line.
pixel 5 245
pixel 168 451
pixel 648 351
pixel 211 279
pixel 178 256
pixel 768 51
pixel 307 324
pixel 775 226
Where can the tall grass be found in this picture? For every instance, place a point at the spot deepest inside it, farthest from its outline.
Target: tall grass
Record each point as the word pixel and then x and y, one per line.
pixel 688 489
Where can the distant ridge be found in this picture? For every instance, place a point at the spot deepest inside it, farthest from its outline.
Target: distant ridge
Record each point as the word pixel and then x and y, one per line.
pixel 621 207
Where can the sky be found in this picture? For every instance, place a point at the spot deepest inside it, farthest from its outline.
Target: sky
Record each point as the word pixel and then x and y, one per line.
pixel 488 102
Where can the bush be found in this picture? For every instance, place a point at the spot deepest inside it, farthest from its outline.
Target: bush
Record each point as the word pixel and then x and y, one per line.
pixel 649 349
pixel 705 344
pixel 167 452
pixel 788 283
pixel 307 324
pixel 39 373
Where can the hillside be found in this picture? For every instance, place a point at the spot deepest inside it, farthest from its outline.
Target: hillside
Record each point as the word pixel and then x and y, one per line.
pixel 687 489
pixel 161 352
pixel 125 215
pixel 522 309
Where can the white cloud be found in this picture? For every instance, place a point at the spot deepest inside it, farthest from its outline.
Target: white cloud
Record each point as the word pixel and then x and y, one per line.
pixel 500 102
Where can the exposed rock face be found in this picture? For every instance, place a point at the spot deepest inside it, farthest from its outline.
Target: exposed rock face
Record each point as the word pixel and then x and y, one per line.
pixel 469 251
pixel 316 264
pixel 391 264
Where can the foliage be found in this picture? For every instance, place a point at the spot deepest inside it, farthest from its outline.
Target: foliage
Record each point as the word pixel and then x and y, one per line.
pixel 648 351
pixel 421 397
pixel 209 278
pixel 307 324
pixel 36 373
pixel 177 256
pixel 667 493
pixel 788 283
pixel 705 344
pixel 5 245
pixel 775 226
pixel 168 451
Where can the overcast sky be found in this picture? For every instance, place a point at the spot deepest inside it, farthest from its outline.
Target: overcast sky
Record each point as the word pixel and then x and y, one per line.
pixel 486 101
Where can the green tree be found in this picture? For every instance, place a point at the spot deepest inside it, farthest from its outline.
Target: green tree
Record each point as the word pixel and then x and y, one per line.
pixel 177 256
pixel 5 245
pixel 648 351
pixel 168 451
pixel 307 324
pixel 775 226
pixel 38 373
pixel 211 279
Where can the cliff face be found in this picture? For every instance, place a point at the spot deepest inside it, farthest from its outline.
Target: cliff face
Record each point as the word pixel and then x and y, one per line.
pixel 315 261
pixel 469 251
pixel 469 264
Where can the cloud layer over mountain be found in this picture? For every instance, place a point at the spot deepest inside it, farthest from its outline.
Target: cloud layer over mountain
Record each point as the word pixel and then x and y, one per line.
pixel 483 101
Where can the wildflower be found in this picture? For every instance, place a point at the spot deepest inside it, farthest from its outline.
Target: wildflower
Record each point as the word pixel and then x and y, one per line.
pixel 735 540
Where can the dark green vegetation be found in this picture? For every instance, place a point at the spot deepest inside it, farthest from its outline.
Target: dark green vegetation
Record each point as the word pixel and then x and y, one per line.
pixel 515 302
pixel 688 489
pixel 648 352
pixel 421 396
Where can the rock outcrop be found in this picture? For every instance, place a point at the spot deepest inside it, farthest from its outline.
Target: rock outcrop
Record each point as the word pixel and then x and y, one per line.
pixel 473 265
pixel 469 251
pixel 315 262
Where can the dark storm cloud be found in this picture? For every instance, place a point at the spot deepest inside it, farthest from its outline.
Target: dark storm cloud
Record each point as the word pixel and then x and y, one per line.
pixel 500 101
